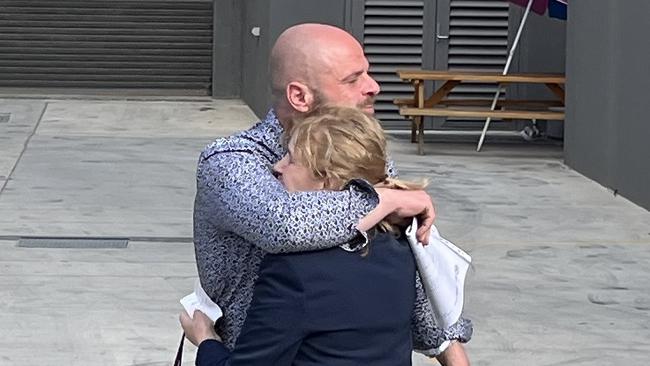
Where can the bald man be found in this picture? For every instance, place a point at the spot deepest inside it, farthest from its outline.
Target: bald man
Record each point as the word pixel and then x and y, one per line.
pixel 311 64
pixel 242 212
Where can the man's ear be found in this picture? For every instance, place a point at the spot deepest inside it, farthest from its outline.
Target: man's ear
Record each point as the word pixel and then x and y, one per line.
pixel 300 96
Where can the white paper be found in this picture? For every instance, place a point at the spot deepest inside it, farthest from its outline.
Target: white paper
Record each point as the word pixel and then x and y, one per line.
pixel 442 267
pixel 199 300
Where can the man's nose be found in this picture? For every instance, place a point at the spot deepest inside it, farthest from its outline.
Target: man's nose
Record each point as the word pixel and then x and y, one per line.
pixel 372 87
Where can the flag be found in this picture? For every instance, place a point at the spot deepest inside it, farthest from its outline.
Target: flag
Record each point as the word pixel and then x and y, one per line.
pixel 557 9
pixel 539 6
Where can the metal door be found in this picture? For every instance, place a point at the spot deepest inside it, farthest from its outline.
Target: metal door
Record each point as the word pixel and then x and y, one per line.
pixel 394 36
pixel 433 34
pixel 471 35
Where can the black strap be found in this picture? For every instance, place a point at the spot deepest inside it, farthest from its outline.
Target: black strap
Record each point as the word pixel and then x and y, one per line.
pixel 179 353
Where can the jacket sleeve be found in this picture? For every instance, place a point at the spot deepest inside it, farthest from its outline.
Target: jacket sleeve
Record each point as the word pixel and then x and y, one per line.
pixel 212 353
pixel 273 330
pixel 427 338
pixel 237 192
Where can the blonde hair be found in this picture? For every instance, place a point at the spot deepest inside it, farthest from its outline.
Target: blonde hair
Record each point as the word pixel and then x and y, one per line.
pixel 339 144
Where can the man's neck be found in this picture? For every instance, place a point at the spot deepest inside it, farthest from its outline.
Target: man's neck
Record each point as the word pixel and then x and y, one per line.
pixel 284 117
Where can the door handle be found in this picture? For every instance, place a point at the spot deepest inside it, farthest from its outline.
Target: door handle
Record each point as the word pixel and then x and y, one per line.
pixel 439 36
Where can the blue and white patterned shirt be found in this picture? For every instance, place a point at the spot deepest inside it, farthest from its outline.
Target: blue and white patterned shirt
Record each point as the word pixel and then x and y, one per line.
pixel 242 211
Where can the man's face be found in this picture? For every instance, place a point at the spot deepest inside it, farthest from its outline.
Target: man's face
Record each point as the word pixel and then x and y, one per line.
pixel 344 79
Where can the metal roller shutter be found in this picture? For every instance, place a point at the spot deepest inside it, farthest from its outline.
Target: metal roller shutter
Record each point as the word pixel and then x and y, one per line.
pixel 162 45
pixel 392 40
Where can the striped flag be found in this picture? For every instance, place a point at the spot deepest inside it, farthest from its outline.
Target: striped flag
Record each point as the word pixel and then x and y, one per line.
pixel 539 6
pixel 557 9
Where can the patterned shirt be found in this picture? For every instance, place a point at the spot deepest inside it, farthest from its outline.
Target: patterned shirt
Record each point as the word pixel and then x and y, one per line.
pixel 242 211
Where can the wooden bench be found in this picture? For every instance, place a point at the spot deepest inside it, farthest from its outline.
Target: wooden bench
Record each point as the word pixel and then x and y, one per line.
pixel 438 106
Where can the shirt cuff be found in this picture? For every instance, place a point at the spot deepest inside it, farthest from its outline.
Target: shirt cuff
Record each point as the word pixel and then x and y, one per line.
pixel 461 331
pixel 364 188
pixel 364 198
pixel 433 352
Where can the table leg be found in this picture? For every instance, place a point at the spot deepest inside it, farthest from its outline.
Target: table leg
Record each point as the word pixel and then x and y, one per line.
pixel 419 93
pixel 420 136
pixel 414 131
pixel 557 90
pixel 419 99
pixel 440 94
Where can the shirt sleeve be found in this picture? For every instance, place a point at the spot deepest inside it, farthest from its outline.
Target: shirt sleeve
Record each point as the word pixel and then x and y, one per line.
pixel 273 330
pixel 427 337
pixel 237 193
pixel 391 170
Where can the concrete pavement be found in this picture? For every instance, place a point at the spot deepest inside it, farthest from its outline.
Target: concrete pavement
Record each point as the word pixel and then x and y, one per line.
pixel 107 168
pixel 561 265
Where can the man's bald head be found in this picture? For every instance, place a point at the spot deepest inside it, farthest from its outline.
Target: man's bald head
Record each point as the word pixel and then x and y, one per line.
pixel 314 64
pixel 305 50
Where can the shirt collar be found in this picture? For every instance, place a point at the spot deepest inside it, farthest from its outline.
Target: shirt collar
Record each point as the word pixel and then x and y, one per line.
pixel 268 132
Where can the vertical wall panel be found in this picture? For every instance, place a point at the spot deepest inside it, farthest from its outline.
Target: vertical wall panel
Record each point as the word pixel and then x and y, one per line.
pixel 607 130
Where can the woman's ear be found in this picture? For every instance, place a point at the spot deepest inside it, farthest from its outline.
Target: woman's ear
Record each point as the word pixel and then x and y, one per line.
pixel 300 96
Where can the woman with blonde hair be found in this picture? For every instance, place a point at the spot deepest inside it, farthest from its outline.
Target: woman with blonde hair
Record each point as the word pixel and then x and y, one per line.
pixel 305 313
pixel 339 144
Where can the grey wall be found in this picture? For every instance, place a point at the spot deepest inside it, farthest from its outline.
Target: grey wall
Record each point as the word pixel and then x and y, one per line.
pixel 226 67
pixel 542 49
pixel 607 133
pixel 274 16
pixel 255 54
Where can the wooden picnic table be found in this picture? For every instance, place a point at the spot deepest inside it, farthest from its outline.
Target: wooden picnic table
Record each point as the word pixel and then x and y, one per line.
pixel 437 105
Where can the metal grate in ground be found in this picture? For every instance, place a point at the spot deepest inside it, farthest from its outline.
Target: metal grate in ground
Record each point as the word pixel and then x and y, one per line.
pixel 72 243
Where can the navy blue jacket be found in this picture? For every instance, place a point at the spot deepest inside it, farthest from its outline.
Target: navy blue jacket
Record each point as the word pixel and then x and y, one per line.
pixel 328 307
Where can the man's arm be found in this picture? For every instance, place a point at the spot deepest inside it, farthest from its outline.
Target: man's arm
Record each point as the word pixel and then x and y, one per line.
pixel 454 355
pixel 427 338
pixel 237 192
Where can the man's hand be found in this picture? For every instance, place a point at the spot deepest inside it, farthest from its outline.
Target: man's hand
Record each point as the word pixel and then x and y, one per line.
pixel 416 203
pixel 399 204
pixel 199 328
pixel 454 355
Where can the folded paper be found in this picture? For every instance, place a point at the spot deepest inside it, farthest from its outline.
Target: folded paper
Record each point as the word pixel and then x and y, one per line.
pixel 442 267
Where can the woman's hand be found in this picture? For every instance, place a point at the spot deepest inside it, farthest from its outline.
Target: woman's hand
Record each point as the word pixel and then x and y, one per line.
pixel 199 328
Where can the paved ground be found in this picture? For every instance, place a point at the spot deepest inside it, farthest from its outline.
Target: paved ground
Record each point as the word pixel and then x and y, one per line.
pixel 561 266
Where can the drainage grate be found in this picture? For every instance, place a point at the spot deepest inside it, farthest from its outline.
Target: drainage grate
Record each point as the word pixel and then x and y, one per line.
pixel 4 117
pixel 74 243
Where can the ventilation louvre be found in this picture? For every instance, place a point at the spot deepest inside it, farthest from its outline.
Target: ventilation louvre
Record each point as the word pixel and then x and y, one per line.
pixel 392 40
pixel 478 41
